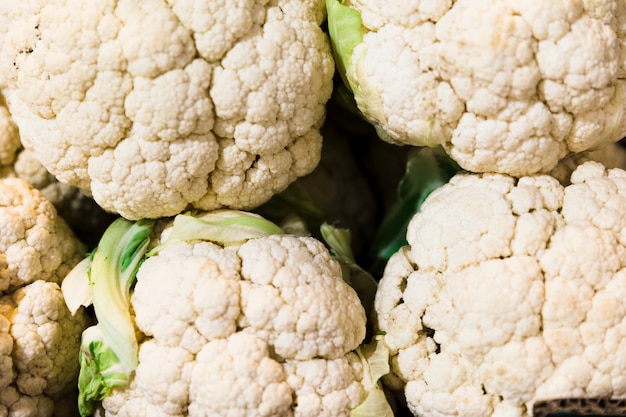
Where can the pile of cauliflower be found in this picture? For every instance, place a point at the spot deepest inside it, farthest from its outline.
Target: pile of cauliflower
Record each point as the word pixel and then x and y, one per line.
pixel 346 208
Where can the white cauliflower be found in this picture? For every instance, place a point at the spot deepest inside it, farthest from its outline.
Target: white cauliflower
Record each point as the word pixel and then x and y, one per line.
pixel 231 322
pixel 9 139
pixel 39 343
pixel 510 291
pixel 83 215
pixel 245 317
pixel 155 106
pixel 35 243
pixel 509 87
pixel 39 338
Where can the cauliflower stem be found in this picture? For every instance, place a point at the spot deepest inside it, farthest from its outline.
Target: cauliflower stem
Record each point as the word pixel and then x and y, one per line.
pixel 108 353
pixel 375 359
pixel 220 226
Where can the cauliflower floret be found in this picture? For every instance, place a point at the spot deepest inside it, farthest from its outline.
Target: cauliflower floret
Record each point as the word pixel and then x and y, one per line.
pixel 323 386
pixel 509 87
pixel 40 342
pixel 510 291
pixel 39 338
pixel 6 347
pixel 216 379
pixel 35 243
pixel 9 139
pixel 292 297
pixel 187 307
pixel 160 386
pixel 261 328
pixel 156 106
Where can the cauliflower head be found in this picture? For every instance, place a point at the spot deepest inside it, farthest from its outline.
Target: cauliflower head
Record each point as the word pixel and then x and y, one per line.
pixel 157 106
pixel 39 344
pixel 510 291
pixel 35 243
pixel 507 87
pixel 263 328
pixel 220 313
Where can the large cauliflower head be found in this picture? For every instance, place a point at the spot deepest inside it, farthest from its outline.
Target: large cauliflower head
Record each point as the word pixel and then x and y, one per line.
pixel 510 291
pixel 155 106
pixel 266 328
pixel 509 87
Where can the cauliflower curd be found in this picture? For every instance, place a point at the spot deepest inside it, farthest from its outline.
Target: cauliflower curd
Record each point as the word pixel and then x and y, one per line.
pixel 509 87
pixel 264 329
pixel 509 291
pixel 219 314
pixel 156 106
pixel 39 337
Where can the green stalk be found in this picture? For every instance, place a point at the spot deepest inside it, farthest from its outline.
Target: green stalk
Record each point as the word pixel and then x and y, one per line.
pixel 109 349
pixel 113 269
pixel 224 227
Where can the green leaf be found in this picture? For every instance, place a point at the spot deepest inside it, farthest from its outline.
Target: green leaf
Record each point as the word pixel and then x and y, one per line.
pixel 113 269
pixel 346 31
pixel 76 287
pixel 339 242
pixel 109 349
pixel 345 28
pixel 224 227
pixel 375 359
pixel 100 371
pixel 427 169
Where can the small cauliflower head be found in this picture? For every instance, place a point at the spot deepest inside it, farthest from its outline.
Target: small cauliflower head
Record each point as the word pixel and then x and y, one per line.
pixel 157 106
pixel 264 328
pixel 507 87
pixel 35 243
pixel 39 344
pixel 508 292
pixel 39 338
